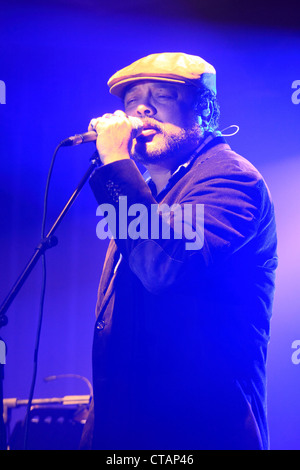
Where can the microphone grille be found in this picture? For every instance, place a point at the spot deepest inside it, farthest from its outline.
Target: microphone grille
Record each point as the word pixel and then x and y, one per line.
pixel 136 123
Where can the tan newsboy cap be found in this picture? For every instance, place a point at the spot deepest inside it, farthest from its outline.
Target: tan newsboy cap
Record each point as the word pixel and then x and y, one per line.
pixel 166 66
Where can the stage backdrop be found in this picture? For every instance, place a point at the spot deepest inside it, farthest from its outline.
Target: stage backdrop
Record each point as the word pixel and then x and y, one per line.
pixel 55 61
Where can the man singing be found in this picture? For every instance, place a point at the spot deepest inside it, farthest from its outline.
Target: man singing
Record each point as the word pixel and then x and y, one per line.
pixel 181 336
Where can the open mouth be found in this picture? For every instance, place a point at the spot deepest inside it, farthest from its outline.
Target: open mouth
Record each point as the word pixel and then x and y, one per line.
pixel 149 130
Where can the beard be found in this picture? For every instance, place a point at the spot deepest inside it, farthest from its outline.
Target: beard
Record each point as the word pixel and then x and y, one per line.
pixel 168 142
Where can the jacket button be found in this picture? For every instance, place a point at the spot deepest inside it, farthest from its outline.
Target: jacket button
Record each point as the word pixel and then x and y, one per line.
pixel 100 325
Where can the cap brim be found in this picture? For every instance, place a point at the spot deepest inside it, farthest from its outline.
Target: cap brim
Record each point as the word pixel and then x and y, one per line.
pixel 119 88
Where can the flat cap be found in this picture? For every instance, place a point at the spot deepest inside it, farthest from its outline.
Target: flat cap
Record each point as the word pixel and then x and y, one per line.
pixel 166 66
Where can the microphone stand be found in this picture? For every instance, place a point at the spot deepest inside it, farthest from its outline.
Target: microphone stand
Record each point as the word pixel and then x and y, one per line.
pixel 48 242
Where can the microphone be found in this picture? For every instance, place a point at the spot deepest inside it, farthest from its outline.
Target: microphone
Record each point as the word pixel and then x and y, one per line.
pixel 91 136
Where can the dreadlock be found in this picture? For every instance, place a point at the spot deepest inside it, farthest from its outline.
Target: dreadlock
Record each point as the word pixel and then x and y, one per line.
pixel 207 106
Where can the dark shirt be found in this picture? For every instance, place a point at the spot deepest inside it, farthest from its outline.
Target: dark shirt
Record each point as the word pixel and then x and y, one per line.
pixel 180 344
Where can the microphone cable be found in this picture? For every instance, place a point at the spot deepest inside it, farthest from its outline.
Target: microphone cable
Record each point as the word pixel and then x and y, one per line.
pixel 42 299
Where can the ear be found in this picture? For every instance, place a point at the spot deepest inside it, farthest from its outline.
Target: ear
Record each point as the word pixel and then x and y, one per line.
pixel 205 112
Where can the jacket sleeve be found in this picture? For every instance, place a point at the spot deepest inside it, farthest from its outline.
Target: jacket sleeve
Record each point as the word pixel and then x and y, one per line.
pixel 214 217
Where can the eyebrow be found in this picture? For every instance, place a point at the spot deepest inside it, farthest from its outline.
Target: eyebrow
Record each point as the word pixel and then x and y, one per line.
pixel 158 84
pixel 130 89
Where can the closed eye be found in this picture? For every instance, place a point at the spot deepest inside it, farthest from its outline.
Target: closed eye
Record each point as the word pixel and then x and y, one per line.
pixel 165 97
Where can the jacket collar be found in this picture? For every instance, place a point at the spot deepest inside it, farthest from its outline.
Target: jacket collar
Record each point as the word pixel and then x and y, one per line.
pixel 211 140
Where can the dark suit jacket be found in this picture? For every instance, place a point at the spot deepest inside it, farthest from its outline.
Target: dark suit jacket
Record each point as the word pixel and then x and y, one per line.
pixel 180 343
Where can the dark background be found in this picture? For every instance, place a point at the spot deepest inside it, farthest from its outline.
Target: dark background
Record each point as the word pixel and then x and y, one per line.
pixel 55 60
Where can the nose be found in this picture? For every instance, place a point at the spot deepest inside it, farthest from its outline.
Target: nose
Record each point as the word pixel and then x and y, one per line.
pixel 145 110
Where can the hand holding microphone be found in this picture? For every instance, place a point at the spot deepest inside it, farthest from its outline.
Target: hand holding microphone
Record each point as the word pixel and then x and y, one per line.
pixel 113 133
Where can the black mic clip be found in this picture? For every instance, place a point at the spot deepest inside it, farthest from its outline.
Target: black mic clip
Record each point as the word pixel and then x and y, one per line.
pixel 78 139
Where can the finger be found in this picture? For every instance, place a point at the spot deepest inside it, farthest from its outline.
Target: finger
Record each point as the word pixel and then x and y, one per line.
pixel 120 113
pixel 92 124
pixel 96 121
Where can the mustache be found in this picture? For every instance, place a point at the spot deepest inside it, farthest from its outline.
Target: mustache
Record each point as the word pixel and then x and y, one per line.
pixel 152 123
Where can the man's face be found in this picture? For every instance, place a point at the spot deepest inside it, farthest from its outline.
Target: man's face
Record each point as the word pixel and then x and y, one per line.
pixel 171 129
